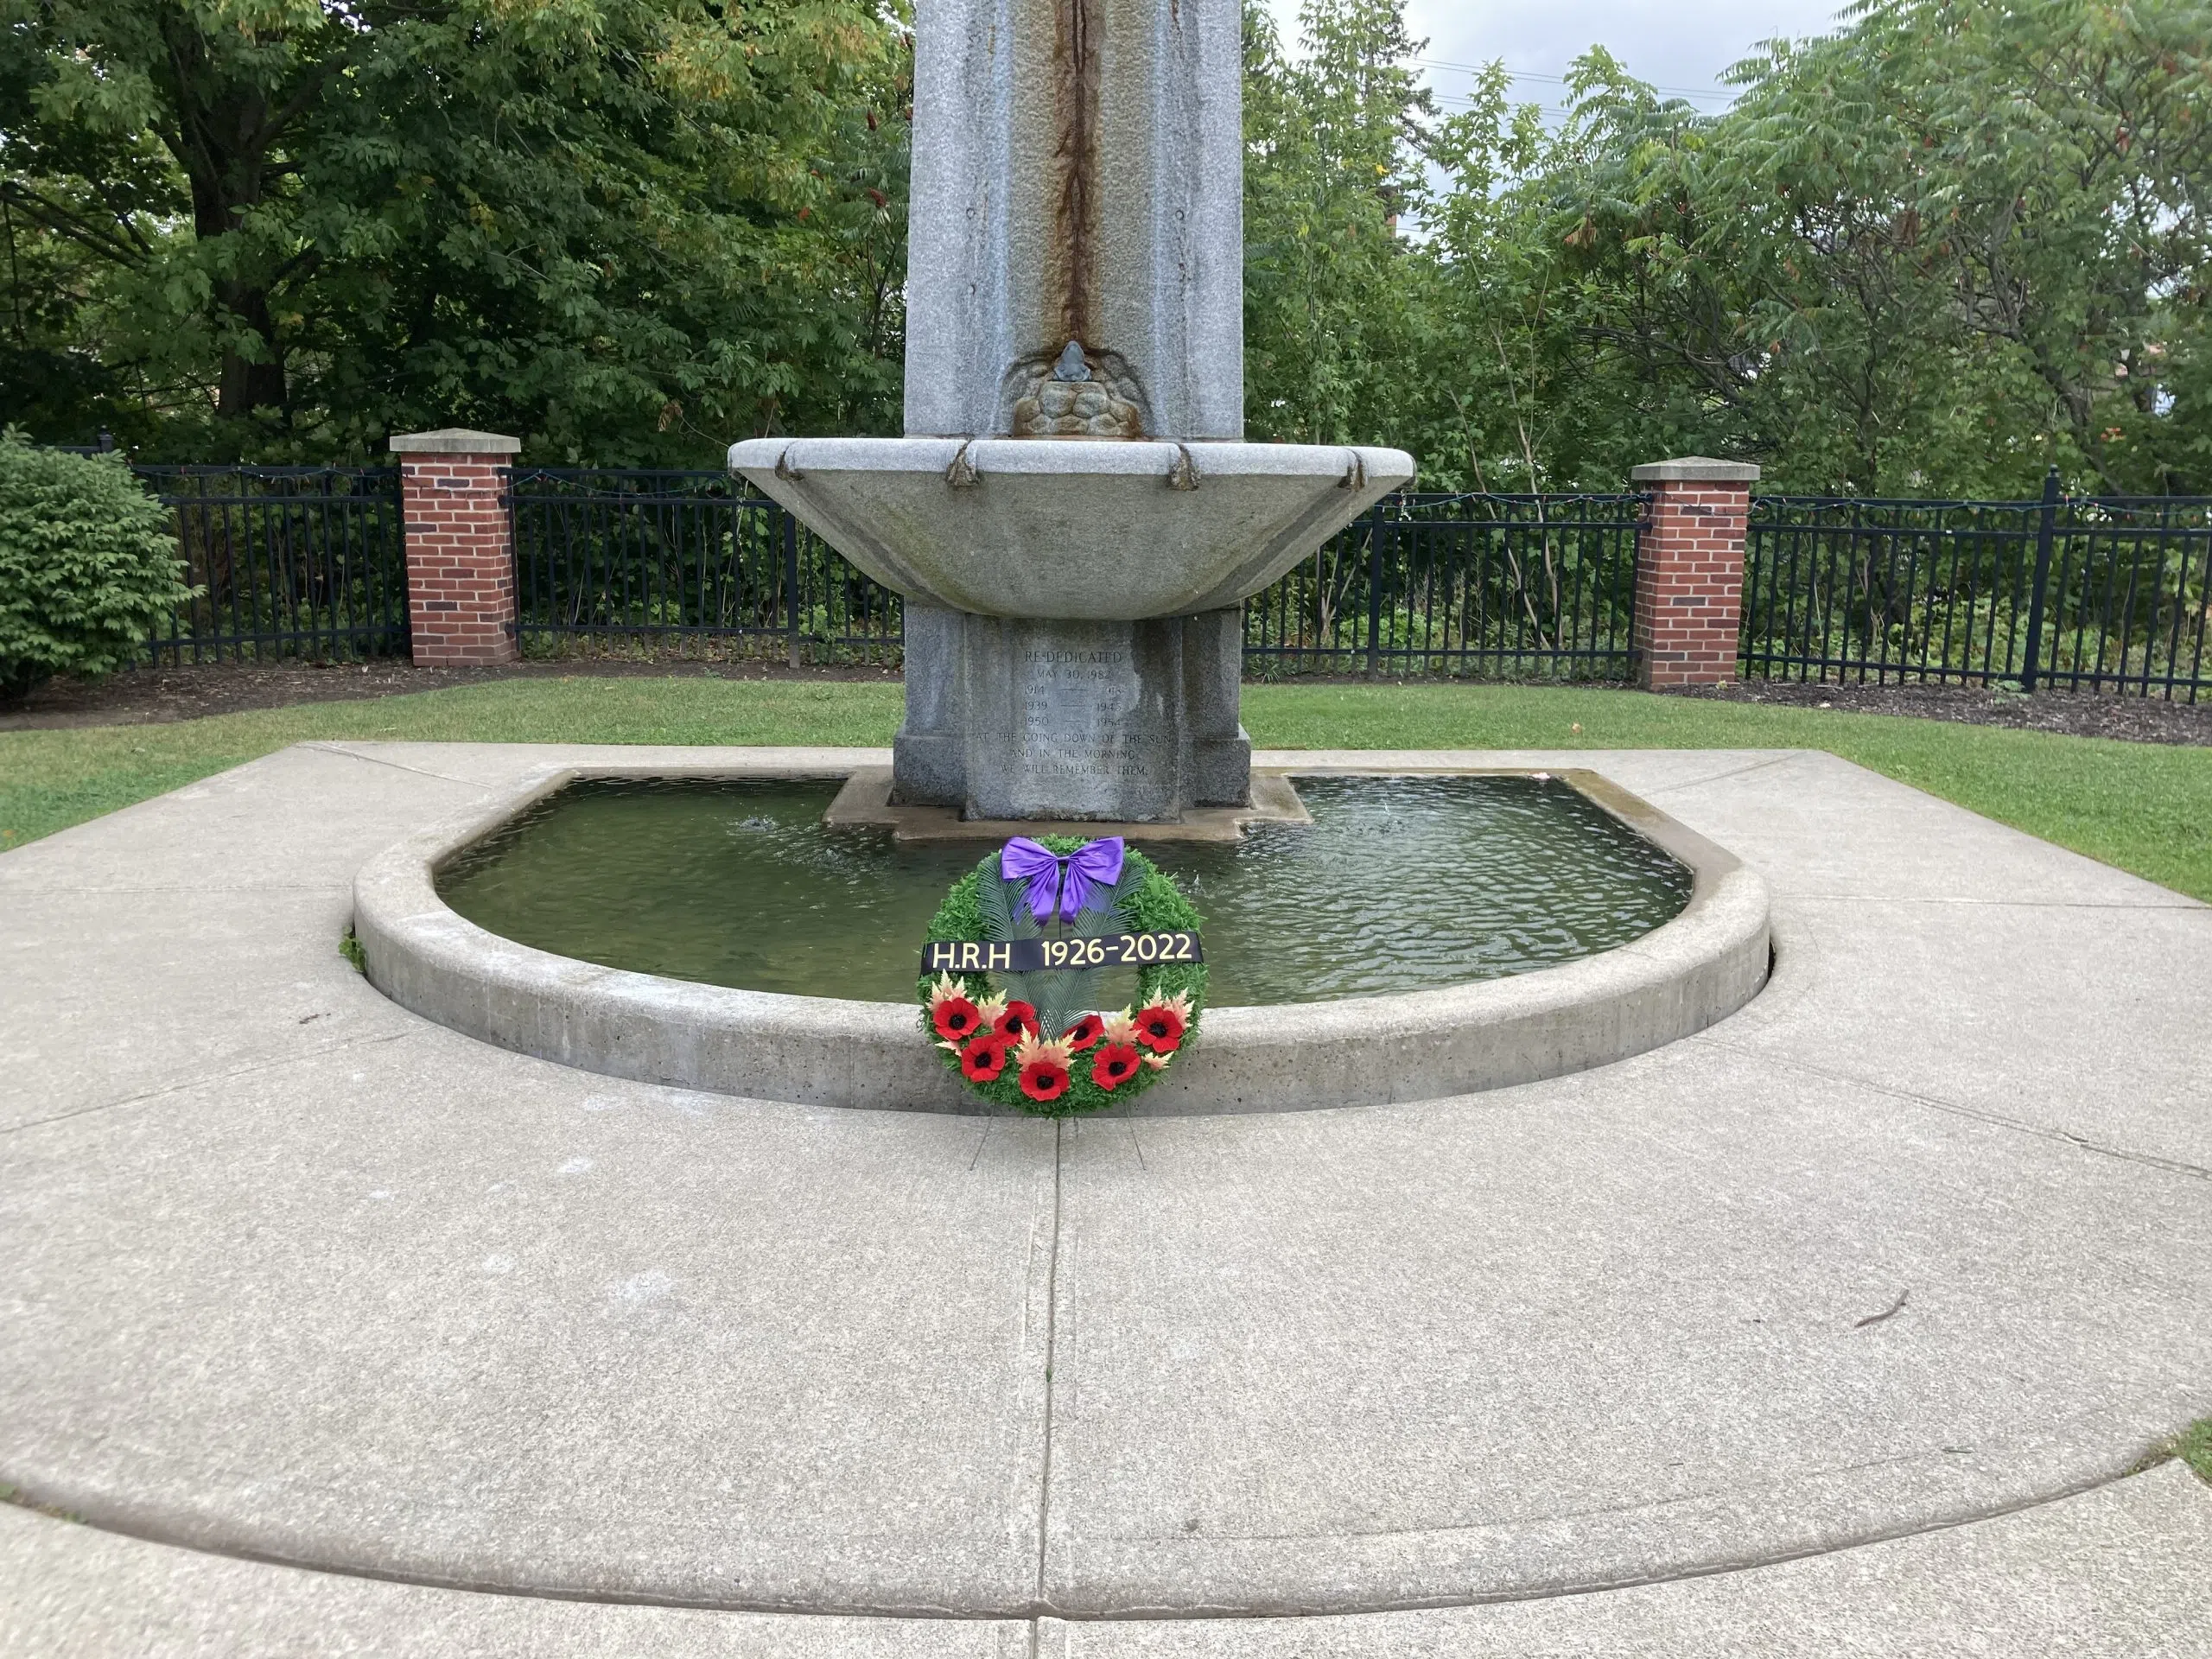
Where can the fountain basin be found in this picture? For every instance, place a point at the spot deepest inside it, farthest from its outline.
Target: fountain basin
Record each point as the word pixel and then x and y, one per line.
pixel 1675 979
pixel 1090 530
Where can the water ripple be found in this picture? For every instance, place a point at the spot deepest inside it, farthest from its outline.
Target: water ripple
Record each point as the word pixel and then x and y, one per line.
pixel 1399 884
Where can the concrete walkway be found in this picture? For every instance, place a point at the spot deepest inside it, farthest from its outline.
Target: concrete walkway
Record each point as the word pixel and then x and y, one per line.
pixel 1923 1236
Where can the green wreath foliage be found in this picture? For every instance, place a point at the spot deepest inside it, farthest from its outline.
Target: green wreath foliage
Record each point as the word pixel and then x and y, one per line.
pixel 984 907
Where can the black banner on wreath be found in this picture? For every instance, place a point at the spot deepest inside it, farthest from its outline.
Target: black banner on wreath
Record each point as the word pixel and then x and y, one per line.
pixel 1038 956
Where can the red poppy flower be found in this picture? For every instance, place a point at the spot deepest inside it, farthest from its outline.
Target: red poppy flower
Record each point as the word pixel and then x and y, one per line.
pixel 1083 1033
pixel 984 1058
pixel 1044 1080
pixel 1159 1028
pixel 1114 1064
pixel 1019 1021
pixel 955 1018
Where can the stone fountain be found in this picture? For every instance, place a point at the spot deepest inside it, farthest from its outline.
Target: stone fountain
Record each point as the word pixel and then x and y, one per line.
pixel 1073 517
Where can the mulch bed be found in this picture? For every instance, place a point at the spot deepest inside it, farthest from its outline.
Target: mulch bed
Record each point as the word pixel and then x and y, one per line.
pixel 2078 713
pixel 166 693
pixel 140 696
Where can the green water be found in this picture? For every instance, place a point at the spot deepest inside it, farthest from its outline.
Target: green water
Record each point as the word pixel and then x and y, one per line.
pixel 1399 884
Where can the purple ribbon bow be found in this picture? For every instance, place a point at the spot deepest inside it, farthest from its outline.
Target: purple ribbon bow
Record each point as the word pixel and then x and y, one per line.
pixel 1065 879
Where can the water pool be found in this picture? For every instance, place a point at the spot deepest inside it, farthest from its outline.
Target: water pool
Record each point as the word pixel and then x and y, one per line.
pixel 1399 884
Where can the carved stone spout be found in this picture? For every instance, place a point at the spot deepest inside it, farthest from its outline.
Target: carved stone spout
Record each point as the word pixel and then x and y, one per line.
pixel 1077 176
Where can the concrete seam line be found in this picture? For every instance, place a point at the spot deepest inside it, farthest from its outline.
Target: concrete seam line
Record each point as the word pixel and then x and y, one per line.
pixel 1957 1109
pixel 1052 1353
pixel 203 1080
pixel 322 746
pixel 194 887
pixel 1721 777
pixel 2180 902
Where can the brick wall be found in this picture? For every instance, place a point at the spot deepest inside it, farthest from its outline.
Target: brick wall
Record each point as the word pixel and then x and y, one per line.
pixel 461 565
pixel 1690 571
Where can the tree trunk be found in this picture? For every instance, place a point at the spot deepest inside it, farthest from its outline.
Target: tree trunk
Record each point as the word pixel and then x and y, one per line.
pixel 222 138
pixel 247 384
pixel 224 187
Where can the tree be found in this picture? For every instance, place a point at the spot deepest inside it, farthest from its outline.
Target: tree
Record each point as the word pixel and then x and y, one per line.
pixel 1334 147
pixel 1945 246
pixel 1938 248
pixel 637 227
pixel 1937 251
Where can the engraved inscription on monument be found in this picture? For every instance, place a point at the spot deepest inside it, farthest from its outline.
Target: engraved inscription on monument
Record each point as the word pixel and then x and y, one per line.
pixel 1090 732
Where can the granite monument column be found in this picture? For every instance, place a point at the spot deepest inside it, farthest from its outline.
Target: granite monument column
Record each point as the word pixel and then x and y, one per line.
pixel 1076 271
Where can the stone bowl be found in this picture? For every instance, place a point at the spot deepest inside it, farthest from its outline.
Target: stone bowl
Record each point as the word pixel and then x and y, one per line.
pixel 1102 531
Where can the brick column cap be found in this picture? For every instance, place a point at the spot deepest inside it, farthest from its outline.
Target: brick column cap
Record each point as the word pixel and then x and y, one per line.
pixel 454 440
pixel 1695 469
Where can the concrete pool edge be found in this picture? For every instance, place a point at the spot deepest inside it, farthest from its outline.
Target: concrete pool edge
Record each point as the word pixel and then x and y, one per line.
pixel 1680 978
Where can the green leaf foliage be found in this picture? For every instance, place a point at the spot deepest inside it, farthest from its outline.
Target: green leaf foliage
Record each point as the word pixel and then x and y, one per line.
pixel 1935 252
pixel 626 230
pixel 88 565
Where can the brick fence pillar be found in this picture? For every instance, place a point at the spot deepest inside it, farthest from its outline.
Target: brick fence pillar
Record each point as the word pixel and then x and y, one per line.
pixel 1689 570
pixel 460 550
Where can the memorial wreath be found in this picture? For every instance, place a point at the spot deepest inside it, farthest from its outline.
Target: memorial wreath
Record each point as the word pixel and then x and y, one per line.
pixel 1012 972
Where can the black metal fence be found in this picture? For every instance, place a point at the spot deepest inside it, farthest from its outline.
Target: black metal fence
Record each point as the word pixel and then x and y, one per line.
pixel 2097 594
pixel 293 562
pixel 665 558
pixel 1521 586
pixel 2110 594
pixel 1516 587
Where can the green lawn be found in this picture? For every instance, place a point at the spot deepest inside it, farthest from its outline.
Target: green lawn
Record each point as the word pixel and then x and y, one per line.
pixel 2193 1445
pixel 2145 808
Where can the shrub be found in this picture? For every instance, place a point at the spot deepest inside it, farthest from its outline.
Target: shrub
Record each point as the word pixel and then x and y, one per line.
pixel 87 565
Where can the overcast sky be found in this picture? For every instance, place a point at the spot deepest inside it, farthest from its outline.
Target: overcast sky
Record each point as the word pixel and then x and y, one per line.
pixel 1681 46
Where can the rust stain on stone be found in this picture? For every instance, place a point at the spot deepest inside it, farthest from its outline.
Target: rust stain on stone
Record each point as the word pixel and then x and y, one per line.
pixel 1069 269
